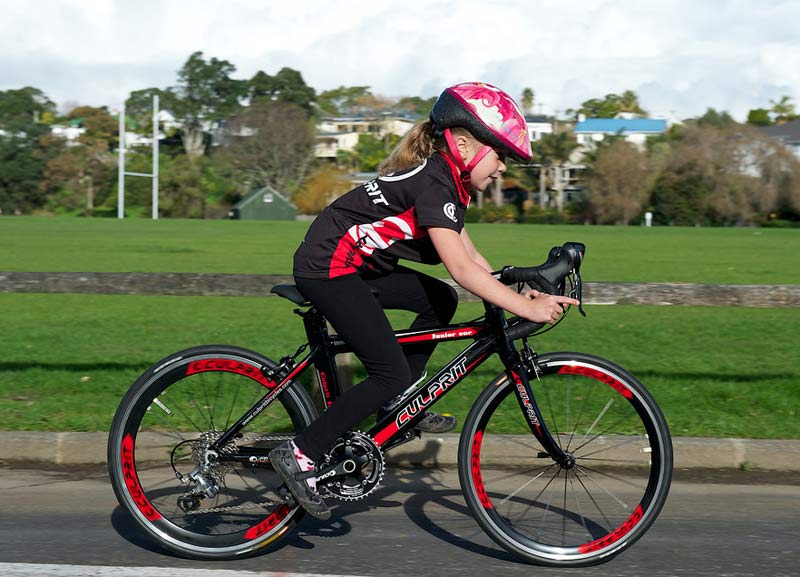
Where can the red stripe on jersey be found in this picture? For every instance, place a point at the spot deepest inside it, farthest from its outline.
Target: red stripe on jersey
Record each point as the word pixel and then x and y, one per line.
pixel 362 240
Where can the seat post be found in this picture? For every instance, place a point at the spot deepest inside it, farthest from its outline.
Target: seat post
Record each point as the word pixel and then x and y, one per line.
pixel 319 338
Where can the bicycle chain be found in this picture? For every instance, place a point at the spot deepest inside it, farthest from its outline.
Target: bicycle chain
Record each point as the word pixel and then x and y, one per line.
pixel 228 449
pixel 231 508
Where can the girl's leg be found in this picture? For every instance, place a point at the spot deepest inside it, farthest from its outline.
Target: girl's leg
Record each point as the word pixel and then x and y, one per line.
pixel 356 315
pixel 433 300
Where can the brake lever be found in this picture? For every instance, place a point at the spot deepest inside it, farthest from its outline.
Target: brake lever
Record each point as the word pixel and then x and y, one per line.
pixel 577 291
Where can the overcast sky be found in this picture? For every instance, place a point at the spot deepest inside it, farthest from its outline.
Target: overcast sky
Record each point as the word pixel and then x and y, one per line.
pixel 679 56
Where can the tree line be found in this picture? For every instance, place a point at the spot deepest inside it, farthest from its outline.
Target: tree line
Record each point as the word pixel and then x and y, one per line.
pixel 230 135
pixel 705 171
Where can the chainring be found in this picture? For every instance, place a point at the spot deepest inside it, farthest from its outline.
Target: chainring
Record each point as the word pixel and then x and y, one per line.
pixel 366 477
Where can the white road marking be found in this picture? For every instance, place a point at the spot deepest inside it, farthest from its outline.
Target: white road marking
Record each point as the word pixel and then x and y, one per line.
pixel 48 570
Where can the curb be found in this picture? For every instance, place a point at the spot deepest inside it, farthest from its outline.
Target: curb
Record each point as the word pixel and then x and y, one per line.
pixel 19 447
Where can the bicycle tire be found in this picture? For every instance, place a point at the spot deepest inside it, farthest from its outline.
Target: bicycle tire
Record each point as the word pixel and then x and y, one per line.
pixel 567 517
pixel 161 431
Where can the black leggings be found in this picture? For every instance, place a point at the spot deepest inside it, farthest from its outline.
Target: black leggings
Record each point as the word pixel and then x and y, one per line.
pixel 354 306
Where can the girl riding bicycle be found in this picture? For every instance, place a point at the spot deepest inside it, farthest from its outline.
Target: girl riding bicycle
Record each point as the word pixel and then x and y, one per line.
pixel 347 265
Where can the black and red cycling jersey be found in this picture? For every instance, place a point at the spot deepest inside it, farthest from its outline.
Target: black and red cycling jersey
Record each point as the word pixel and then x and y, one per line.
pixel 368 229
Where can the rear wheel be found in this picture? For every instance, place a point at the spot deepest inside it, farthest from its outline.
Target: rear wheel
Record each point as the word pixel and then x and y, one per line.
pixel 187 496
pixel 569 515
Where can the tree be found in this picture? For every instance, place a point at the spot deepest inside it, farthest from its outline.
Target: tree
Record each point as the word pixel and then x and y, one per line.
pixel 22 108
pixel 25 148
pixel 554 151
pixel 725 175
pixel 610 106
pixel 370 150
pixel 181 190
pixel 23 158
pixel 629 102
pixel 782 109
pixel 99 126
pixel 80 176
pixel 270 144
pixel 342 100
pixel 139 108
pixel 527 100
pixel 204 96
pixel 717 119
pixel 619 183
pixel 74 178
pixel 287 86
pixel 416 105
pixel 325 185
pixel 759 117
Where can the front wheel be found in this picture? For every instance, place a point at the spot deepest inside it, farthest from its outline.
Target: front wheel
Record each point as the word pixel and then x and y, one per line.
pixel 194 500
pixel 571 515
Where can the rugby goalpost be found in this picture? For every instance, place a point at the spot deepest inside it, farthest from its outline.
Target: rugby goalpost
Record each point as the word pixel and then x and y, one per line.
pixel 121 170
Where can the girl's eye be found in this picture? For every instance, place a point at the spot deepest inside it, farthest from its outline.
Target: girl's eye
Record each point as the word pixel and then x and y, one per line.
pixel 501 156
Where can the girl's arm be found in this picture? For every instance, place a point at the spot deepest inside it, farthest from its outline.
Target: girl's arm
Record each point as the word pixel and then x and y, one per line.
pixel 464 269
pixel 473 252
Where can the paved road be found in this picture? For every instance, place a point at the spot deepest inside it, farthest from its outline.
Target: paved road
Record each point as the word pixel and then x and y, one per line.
pixel 733 524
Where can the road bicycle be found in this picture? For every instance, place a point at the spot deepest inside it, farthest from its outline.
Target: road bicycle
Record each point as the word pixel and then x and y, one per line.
pixel 584 475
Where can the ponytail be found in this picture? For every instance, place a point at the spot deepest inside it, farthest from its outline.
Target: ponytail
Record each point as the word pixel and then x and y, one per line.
pixel 417 145
pixel 411 151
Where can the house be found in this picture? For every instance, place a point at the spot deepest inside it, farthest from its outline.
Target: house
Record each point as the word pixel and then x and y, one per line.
pixel 537 126
pixel 341 133
pixel 264 204
pixel 787 134
pixel 635 130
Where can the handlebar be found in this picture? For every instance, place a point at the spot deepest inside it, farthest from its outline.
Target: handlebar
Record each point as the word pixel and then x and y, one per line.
pixel 549 277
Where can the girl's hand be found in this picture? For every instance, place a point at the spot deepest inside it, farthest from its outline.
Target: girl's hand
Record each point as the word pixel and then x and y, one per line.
pixel 546 308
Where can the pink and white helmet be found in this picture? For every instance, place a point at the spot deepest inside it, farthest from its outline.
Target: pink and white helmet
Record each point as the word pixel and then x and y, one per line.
pixel 488 113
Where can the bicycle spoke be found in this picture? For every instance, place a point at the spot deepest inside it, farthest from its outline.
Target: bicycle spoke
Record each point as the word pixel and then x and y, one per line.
pixel 578 503
pixel 573 513
pixel 524 486
pixel 583 469
pixel 584 404
pixel 594 501
pixel 631 441
pixel 594 424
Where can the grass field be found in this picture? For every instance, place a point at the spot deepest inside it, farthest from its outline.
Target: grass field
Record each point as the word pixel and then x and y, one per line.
pixel 67 359
pixel 621 254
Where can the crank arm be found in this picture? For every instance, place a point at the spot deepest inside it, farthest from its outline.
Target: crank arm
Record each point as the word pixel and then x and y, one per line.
pixel 340 469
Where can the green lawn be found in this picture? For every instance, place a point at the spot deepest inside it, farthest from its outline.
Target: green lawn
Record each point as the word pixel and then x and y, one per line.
pixel 614 254
pixel 67 359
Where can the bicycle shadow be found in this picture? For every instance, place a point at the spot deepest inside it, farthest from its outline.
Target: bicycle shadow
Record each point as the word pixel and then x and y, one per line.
pixel 412 489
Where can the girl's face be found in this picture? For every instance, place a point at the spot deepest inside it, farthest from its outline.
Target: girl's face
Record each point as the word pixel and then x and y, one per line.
pixel 490 167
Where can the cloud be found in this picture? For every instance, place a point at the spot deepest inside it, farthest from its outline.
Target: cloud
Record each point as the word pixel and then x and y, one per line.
pixel 680 56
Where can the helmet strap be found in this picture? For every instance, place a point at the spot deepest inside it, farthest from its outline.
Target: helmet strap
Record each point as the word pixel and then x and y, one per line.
pixel 455 154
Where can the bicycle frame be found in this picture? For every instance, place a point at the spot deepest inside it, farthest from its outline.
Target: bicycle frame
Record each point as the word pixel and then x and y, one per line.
pixel 490 335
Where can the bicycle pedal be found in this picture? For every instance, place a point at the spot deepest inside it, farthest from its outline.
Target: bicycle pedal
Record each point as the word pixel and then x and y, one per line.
pixel 286 496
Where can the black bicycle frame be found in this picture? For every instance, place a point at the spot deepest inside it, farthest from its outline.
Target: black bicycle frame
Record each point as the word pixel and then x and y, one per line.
pixel 493 334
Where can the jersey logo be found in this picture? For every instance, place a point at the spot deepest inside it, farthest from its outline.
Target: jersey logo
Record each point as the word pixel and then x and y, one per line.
pixel 374 191
pixel 450 211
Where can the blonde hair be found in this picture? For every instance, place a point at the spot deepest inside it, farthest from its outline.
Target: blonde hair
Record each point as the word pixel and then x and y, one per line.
pixel 418 144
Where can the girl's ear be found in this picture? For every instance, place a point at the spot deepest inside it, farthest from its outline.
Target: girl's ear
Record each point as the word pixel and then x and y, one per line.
pixel 464 145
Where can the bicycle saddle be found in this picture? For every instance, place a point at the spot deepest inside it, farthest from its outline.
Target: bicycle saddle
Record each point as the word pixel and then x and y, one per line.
pixel 291 292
